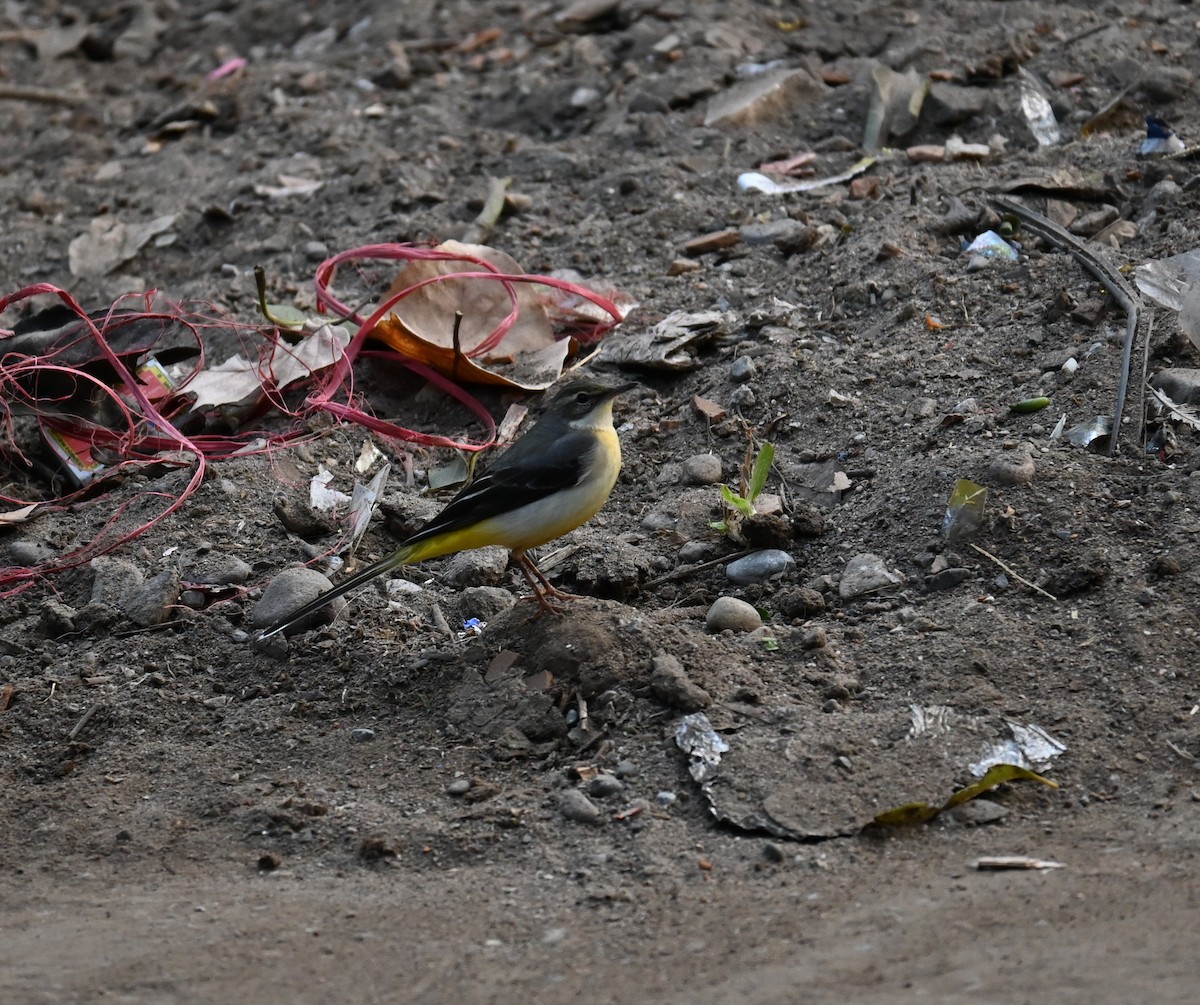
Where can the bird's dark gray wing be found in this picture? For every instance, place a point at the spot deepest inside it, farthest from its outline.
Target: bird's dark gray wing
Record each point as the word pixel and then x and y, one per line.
pixel 515 481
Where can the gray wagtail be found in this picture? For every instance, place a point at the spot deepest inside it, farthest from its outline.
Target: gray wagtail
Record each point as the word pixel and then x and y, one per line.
pixel 551 480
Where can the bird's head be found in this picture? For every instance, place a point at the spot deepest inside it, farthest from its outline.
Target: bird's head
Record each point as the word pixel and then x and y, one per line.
pixel 586 403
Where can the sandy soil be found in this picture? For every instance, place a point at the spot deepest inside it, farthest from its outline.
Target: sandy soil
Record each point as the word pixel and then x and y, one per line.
pixel 387 811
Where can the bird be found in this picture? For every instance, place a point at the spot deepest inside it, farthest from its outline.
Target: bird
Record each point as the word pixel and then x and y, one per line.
pixel 550 481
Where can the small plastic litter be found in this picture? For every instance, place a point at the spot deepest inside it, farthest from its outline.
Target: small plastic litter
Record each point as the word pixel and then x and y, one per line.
pixel 1189 314
pixel 1037 111
pixel 321 495
pixel 896 101
pixel 695 736
pixel 987 248
pixel 472 629
pixel 964 512
pixel 363 501
pixel 1030 747
pixel 1087 433
pixel 1166 281
pixel 1160 140
pixel 755 181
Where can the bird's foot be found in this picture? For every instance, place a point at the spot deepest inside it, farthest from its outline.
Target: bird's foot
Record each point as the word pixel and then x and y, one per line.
pixel 544 604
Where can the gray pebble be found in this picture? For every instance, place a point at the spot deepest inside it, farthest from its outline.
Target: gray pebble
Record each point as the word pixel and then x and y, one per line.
pixel 151 602
pixel 773 852
pixel 483 602
pixel 216 569
pixel 289 591
pixel 665 798
pixel 693 551
pixel 742 397
pixel 743 369
pixel 604 785
pixel 702 469
pixel 785 230
pixel 921 408
pixel 658 520
pixel 316 251
pixel 864 574
pixel 759 567
pixel 29 553
pixel 831 705
pixel 732 614
pixel 480 567
pixel 626 769
pixel 947 579
pixel 112 579
pixel 362 734
pixel 574 805
pixel 459 787
pixel 194 599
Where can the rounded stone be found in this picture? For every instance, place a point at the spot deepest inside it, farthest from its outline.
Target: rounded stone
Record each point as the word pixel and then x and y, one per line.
pixel 574 805
pixel 604 785
pixel 288 592
pixel 731 614
pixel 743 369
pixel 702 469
pixel 759 567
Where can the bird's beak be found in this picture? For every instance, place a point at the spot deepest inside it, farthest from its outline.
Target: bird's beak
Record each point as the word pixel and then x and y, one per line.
pixel 621 389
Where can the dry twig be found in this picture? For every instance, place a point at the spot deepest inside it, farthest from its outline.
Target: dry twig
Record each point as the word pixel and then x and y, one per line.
pixel 1020 579
pixel 84 720
pixel 15 92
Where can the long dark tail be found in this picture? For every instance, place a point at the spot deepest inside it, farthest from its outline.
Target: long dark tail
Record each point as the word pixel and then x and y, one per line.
pixel 402 556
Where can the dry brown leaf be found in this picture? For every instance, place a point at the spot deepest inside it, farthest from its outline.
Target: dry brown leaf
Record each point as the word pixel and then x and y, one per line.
pixel 421 327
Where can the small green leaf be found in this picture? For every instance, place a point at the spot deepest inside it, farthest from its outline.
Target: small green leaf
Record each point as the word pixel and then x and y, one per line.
pixel 736 501
pixel 285 316
pixel 762 467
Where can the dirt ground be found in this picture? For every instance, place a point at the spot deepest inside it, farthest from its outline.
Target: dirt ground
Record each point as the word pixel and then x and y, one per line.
pixel 390 810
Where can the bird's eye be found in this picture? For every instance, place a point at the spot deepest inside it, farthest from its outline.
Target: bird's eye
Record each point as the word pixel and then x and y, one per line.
pixel 583 397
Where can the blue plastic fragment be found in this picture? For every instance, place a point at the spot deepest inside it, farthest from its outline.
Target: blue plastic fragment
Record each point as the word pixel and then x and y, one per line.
pixel 1160 139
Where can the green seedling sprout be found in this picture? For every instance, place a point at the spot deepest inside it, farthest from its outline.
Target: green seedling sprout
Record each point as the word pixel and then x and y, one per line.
pixel 741 506
pixel 280 315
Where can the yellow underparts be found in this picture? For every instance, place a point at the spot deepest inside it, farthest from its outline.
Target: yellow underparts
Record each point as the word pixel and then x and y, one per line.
pixel 538 522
